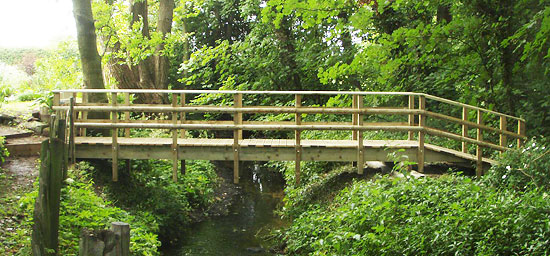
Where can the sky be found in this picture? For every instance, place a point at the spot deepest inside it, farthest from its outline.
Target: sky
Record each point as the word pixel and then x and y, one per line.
pixel 35 23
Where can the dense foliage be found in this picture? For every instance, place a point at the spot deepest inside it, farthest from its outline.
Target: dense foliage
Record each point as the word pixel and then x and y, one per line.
pixel 82 208
pixel 148 187
pixel 504 213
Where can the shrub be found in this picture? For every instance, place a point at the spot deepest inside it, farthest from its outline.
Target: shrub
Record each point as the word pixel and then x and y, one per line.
pixel 3 150
pixel 524 168
pixel 447 216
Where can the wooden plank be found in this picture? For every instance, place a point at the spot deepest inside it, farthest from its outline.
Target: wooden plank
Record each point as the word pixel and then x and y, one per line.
pixel 464 129
pixel 411 117
pixel 297 139
pixel 114 137
pixel 421 134
pixel 360 139
pixel 479 149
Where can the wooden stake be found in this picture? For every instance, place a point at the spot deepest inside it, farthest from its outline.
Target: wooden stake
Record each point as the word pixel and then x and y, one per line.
pixel 360 146
pixel 114 119
pixel 464 129
pixel 122 246
pixel 479 149
pixel 298 141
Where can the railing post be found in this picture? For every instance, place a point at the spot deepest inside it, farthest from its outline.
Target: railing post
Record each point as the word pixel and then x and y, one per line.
pixel 84 114
pixel 72 150
pixel 114 120
pixel 479 149
pixel 421 133
pixel 182 131
pixel 521 131
pixel 360 147
pixel 411 116
pixel 237 135
pixel 464 129
pixel 298 138
pixel 127 130
pixel 354 117
pixel 503 126
pixel 174 139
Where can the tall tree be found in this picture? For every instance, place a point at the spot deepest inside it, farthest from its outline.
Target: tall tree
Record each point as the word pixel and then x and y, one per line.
pixel 87 46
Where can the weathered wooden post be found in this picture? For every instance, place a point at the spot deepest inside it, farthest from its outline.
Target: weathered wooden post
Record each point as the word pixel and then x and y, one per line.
pixel 110 242
pixel 46 209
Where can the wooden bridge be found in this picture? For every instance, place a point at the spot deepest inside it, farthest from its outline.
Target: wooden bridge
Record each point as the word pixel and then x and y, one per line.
pixel 429 128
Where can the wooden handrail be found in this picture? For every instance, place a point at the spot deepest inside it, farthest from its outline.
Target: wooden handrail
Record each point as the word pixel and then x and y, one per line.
pixel 358 111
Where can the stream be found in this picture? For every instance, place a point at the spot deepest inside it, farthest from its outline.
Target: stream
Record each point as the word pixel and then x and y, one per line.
pixel 250 218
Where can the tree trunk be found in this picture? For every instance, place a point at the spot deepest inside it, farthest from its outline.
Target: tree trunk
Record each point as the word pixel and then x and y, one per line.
pixel 162 65
pixel 87 46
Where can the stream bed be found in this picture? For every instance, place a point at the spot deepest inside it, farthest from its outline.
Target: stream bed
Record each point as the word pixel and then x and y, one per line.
pixel 250 218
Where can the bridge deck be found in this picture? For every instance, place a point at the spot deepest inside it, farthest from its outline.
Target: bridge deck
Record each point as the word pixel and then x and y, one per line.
pixel 263 149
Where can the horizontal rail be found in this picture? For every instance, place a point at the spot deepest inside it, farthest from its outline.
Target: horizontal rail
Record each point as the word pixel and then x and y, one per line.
pixel 290 110
pixel 452 102
pixel 474 125
pixel 246 127
pixel 453 136
pixel 234 92
pixel 428 96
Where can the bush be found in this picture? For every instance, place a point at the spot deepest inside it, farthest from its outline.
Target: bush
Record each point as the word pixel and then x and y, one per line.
pixel 3 150
pixel 447 216
pixel 524 168
pixel 149 188
pixel 82 208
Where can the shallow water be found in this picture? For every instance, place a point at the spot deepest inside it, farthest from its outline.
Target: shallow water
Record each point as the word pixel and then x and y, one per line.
pixel 251 217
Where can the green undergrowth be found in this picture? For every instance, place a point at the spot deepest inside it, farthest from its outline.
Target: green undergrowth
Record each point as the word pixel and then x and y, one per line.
pixel 507 212
pixel 85 206
pixel 148 187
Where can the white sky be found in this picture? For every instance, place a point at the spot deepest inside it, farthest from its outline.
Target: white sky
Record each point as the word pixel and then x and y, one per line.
pixel 35 23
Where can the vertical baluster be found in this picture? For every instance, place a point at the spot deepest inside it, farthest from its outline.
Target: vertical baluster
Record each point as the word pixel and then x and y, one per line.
pixel 182 131
pixel 521 131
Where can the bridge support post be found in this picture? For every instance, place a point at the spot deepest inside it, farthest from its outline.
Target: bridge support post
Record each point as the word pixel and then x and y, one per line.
pixel 237 135
pixel 479 149
pixel 114 120
pixel 182 131
pixel 503 126
pixel 298 141
pixel 360 146
pixel 411 116
pixel 421 133
pixel 174 139
pixel 127 130
pixel 521 131
pixel 464 129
